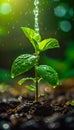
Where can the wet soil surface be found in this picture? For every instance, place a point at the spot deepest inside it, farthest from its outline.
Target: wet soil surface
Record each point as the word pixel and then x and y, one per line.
pixel 53 111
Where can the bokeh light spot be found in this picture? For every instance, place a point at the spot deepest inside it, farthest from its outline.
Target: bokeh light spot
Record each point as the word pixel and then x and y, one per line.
pixel 65 26
pixel 60 11
pixel 71 12
pixel 6 126
pixel 5 8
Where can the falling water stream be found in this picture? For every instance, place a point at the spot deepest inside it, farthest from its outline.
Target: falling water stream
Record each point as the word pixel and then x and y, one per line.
pixel 36 13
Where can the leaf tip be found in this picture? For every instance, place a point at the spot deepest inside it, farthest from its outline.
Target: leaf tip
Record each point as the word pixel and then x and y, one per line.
pixel 19 83
pixel 12 76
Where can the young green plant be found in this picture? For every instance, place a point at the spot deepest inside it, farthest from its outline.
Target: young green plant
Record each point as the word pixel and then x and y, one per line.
pixel 25 62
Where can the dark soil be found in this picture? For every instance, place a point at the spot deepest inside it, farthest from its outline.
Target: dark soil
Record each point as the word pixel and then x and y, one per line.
pixel 54 111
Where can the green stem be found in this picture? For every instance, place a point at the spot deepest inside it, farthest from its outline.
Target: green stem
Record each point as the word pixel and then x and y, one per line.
pixel 36 76
pixel 36 92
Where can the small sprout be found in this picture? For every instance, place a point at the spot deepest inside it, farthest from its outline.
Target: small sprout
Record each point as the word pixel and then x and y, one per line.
pixel 25 62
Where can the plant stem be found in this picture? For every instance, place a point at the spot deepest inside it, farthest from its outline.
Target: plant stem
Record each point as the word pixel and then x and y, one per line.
pixel 36 92
pixel 36 76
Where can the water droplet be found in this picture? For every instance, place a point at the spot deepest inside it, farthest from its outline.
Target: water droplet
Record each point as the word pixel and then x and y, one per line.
pixel 36 13
pixel 36 2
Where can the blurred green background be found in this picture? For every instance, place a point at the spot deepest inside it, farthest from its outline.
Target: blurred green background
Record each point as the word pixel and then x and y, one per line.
pixel 56 19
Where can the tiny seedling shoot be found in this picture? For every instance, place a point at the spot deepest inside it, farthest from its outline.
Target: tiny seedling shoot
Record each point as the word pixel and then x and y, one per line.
pixel 25 62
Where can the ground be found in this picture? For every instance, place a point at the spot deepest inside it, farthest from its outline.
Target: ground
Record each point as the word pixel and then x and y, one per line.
pixel 54 111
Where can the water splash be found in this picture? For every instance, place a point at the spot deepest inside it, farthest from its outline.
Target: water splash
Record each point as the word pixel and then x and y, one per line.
pixel 36 13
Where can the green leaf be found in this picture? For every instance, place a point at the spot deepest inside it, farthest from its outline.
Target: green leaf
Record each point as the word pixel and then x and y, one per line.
pixel 22 64
pixel 48 44
pixel 48 74
pixel 21 81
pixel 72 103
pixel 33 36
pixel 30 87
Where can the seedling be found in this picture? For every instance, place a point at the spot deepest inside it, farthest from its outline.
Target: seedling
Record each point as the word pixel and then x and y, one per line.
pixel 25 62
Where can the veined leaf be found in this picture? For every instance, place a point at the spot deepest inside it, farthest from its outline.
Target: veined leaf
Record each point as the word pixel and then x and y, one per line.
pixel 22 64
pixel 33 36
pixel 48 74
pixel 30 87
pixel 48 44
pixel 21 81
